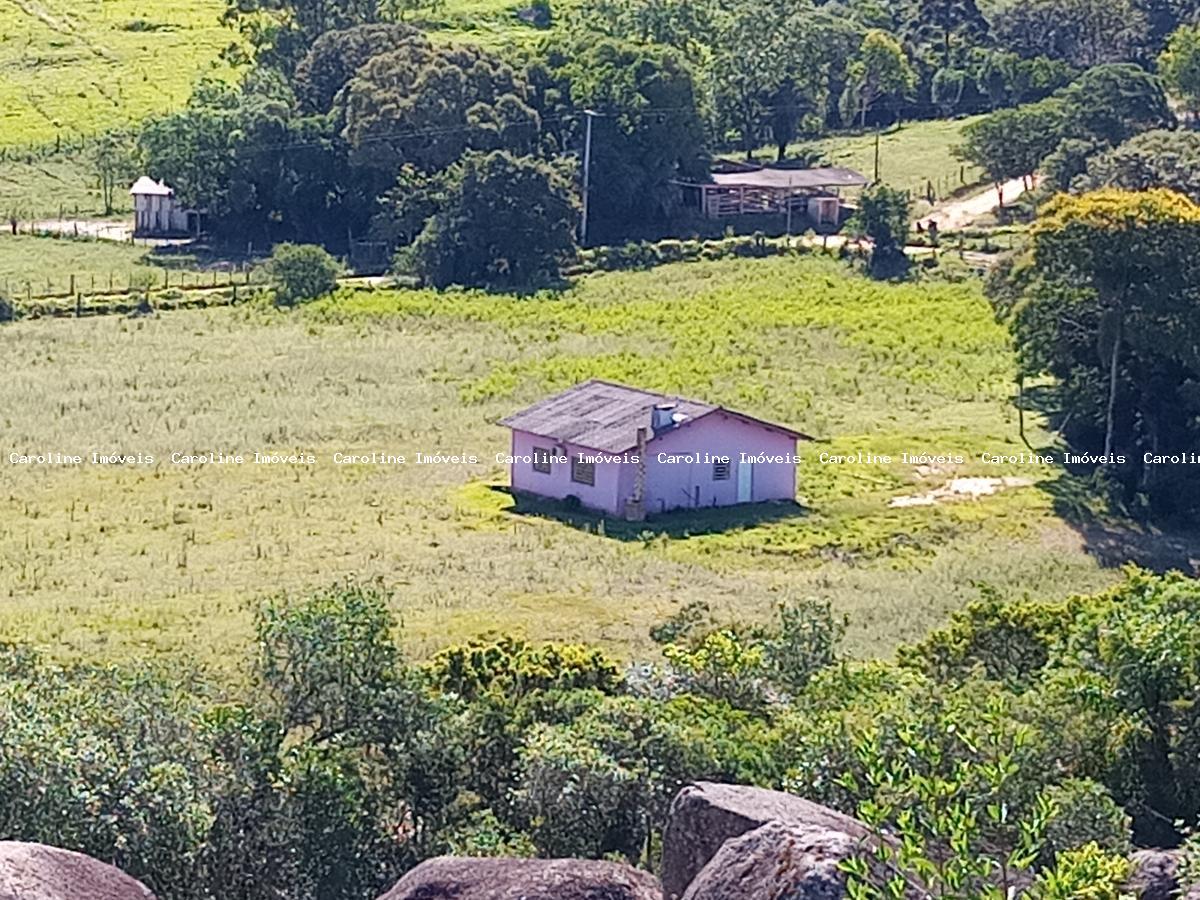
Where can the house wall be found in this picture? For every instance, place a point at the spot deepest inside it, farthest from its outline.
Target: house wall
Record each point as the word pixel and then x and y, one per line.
pixel 158 214
pixel 557 484
pixel 676 485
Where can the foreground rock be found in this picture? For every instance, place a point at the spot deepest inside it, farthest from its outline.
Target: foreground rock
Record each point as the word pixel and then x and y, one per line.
pixel 38 872
pixel 1154 874
pixel 705 815
pixel 776 860
pixel 466 878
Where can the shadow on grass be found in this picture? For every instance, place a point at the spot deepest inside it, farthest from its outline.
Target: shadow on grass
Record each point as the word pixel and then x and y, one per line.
pixel 1114 540
pixel 676 524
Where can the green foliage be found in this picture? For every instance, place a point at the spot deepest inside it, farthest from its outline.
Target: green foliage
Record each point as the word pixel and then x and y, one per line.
pixel 1082 813
pixel 948 89
pixel 651 131
pixel 1179 65
pixel 881 69
pixel 513 668
pixel 807 641
pixel 1112 103
pixel 336 55
pixel 1004 641
pixel 1082 32
pixel 1011 143
pixel 1108 315
pixel 948 828
pixel 1069 160
pixel 1166 159
pixel 505 221
pixel 302 272
pixel 770 69
pixel 884 216
pixel 427 105
pixel 1087 873
pixel 328 659
pixel 726 664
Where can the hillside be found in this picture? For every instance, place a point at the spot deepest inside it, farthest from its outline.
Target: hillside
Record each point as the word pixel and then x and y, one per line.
pixel 121 560
pixel 77 68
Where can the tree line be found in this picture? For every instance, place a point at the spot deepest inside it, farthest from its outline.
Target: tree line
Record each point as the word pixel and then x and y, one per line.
pixel 348 124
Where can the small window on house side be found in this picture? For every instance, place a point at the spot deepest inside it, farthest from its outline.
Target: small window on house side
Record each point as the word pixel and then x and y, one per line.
pixel 720 471
pixel 583 472
pixel 541 460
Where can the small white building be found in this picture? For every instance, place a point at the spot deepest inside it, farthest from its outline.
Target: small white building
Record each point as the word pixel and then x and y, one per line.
pixel 158 212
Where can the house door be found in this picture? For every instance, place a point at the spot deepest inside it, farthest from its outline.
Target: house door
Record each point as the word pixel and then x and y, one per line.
pixel 745 481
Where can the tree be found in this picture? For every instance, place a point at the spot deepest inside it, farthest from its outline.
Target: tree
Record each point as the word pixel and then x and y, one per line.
pixel 302 272
pixel 883 217
pixel 1011 143
pixel 1081 32
pixel 769 69
pixel 880 70
pixel 940 22
pixel 427 105
pixel 336 55
pixel 948 88
pixel 1167 159
pixel 283 31
pixel 112 157
pixel 1110 312
pixel 1112 103
pixel 649 132
pixel 505 220
pixel 1179 65
pixel 1067 162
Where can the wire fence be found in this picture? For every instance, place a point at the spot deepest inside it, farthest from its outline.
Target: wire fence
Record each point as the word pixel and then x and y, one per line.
pixel 133 281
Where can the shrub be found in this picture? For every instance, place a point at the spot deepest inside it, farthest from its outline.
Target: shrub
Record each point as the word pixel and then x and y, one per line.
pixel 1083 812
pixel 515 668
pixel 1086 873
pixel 302 272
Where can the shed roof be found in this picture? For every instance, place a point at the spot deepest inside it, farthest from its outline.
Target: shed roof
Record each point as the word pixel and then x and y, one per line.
pixel 147 185
pixel 605 416
pixel 822 176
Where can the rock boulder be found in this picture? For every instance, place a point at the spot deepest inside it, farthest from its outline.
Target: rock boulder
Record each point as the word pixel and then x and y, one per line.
pixel 38 872
pixel 1154 875
pixel 705 815
pixel 466 878
pixel 776 860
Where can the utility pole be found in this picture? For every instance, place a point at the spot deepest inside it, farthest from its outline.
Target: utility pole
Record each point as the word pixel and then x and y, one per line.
pixel 789 210
pixel 587 172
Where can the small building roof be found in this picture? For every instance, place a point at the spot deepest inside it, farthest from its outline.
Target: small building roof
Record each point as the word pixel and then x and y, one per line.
pixel 148 186
pixel 605 416
pixel 781 179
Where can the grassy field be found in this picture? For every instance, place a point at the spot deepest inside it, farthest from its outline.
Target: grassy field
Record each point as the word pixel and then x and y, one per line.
pixel 114 561
pixel 38 266
pixel 910 157
pixel 80 67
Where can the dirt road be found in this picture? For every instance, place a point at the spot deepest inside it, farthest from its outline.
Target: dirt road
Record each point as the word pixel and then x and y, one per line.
pixel 962 213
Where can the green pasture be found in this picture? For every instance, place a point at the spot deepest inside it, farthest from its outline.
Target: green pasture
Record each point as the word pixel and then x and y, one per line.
pixel 147 560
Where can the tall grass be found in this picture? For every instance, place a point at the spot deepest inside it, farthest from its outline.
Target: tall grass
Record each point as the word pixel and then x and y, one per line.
pixel 140 560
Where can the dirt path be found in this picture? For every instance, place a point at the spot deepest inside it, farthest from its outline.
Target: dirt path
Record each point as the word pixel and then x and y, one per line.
pixel 962 213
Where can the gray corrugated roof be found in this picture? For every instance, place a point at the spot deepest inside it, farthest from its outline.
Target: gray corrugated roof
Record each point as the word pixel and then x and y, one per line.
pixel 823 176
pixel 601 415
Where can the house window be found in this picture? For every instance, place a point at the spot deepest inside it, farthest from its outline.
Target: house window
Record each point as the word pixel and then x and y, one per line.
pixel 541 460
pixel 583 472
pixel 721 471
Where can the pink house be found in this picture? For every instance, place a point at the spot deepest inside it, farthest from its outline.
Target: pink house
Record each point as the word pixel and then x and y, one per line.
pixel 631 453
